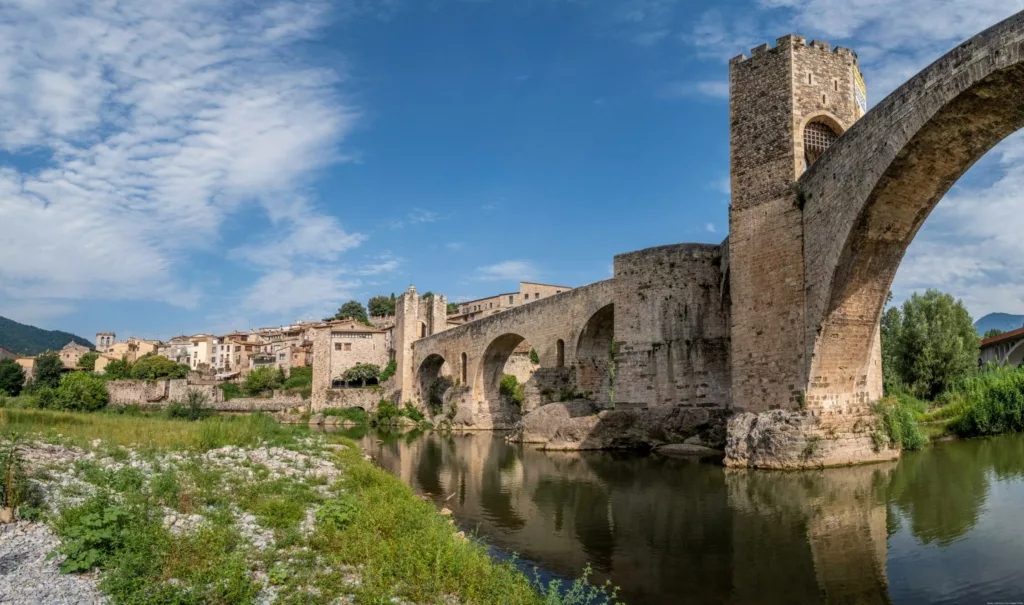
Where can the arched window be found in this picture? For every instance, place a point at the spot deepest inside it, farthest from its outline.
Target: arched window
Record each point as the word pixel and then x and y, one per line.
pixel 818 137
pixel 423 330
pixel 560 353
pixel 464 371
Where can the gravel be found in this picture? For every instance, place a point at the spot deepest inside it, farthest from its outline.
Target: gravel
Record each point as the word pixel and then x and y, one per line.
pixel 26 577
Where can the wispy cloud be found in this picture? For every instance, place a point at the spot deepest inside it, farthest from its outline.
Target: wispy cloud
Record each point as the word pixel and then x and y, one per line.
pixel 415 216
pixel 158 120
pixel 710 228
pixel 383 264
pixel 287 293
pixel 711 89
pixel 455 246
pixel 507 270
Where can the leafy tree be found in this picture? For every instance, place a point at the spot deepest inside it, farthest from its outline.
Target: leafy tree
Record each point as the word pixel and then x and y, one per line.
pixel 389 371
pixel 262 379
pixel 362 373
pixel 892 321
pixel 992 333
pixel 353 309
pixel 453 308
pixel 382 306
pixel 118 369
pixel 49 369
pixel 12 378
pixel 298 378
pixel 154 367
pixel 929 344
pixel 80 391
pixel 88 361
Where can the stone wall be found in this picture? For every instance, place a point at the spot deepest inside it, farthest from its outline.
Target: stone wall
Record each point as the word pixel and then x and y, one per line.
pixel 671 328
pixel 367 398
pixel 159 393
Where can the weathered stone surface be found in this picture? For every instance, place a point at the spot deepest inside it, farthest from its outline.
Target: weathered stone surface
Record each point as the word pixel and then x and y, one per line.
pixel 688 449
pixel 580 425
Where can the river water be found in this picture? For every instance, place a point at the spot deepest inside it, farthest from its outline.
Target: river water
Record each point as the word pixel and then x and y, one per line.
pixel 945 525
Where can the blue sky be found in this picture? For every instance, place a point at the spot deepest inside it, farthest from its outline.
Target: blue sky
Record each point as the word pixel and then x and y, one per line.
pixel 188 166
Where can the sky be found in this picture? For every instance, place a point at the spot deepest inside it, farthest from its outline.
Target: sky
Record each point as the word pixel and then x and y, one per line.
pixel 192 166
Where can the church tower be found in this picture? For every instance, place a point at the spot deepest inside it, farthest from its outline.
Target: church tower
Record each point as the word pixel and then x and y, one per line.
pixel 787 105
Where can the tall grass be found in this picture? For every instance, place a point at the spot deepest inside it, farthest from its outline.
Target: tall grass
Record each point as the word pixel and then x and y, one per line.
pixel 989 403
pixel 149 431
pixel 900 427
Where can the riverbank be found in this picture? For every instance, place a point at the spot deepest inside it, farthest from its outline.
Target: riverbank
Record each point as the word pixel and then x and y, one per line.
pixel 239 510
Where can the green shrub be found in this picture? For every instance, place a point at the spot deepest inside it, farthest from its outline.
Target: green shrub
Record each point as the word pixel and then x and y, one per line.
pixel 81 392
pixel 386 412
pixel 534 358
pixel 91 533
pixel 900 427
pixel 262 380
pixel 118 369
pixel 997 408
pixel 299 377
pixel 16 491
pixel 389 371
pixel 412 413
pixel 356 415
pixel 48 370
pixel 88 361
pixel 47 397
pixel 512 390
pixel 12 378
pixel 362 373
pixel 195 407
pixel 154 367
pixel 338 513
pixel 230 390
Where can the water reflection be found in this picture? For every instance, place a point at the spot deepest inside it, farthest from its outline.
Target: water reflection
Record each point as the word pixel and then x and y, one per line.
pixel 680 531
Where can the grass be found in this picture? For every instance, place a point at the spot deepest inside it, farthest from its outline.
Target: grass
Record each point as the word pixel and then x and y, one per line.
pixel 356 415
pixel 368 524
pixel 900 423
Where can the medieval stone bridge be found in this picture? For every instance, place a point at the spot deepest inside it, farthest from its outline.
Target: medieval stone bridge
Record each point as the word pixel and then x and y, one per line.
pixel 779 325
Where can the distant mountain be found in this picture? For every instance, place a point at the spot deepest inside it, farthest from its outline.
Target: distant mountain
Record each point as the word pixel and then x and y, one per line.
pixel 1003 321
pixel 30 340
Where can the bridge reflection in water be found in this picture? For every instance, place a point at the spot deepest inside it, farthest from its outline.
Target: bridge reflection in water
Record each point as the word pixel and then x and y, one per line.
pixel 675 530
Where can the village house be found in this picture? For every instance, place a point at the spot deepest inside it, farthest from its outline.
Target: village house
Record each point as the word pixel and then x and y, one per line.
pixel 177 349
pixel 72 353
pixel 482 307
pixel 6 353
pixel 347 343
pixel 28 366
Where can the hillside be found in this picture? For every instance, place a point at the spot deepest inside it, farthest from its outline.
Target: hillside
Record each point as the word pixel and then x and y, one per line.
pixel 30 340
pixel 1003 321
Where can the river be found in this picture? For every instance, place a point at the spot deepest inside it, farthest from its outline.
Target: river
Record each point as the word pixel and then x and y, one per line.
pixel 940 526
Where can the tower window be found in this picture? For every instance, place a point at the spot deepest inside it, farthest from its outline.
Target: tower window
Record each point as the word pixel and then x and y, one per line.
pixel 823 100
pixel 810 78
pixel 818 137
pixel 835 85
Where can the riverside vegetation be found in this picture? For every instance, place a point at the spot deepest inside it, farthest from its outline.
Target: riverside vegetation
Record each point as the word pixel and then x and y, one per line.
pixel 243 510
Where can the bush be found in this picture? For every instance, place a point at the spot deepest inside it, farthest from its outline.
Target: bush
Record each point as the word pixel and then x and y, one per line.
pixel 534 358
pixel 337 514
pixel 363 373
pixel 356 415
pixel 118 369
pixel 262 379
pixel 991 404
pixel 91 533
pixel 298 378
pixel 12 378
pixel 81 392
pixel 386 412
pixel 16 492
pixel 389 371
pixel 88 361
pixel 412 413
pixel 900 427
pixel 47 398
pixel 512 390
pixel 195 407
pixel 154 367
pixel 49 369
pixel 230 390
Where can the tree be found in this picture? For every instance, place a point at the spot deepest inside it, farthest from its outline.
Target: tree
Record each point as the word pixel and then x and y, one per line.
pixel 12 378
pixel 453 308
pixel 80 391
pixel 362 373
pixel 49 368
pixel 992 333
pixel 353 309
pixel 262 379
pixel 382 306
pixel 892 321
pixel 929 344
pixel 88 361
pixel 118 369
pixel 154 367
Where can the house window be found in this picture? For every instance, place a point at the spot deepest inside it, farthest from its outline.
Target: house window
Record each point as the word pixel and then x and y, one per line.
pixel 348 346
pixel 526 297
pixel 510 299
pixel 337 346
pixel 536 295
pixel 558 291
pixel 281 356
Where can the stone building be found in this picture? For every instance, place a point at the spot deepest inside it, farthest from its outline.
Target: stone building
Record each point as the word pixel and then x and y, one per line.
pixel 104 340
pixel 482 307
pixel 177 349
pixel 203 346
pixel 28 366
pixel 6 353
pixel 71 353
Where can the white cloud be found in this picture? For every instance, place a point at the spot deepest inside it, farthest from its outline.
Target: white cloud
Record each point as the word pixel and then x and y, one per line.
pixel 384 264
pixel 709 227
pixel 158 121
pixel 414 217
pixel 507 270
pixel 455 246
pixel 286 293
pixel 712 89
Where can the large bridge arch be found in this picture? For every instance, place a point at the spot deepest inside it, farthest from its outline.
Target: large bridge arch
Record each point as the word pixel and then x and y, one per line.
pixel 594 354
pixel 866 198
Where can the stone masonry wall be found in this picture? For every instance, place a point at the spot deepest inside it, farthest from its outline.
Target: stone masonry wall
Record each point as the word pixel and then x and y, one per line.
pixel 671 328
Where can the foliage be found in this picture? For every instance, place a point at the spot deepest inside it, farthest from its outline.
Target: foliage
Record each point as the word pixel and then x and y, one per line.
pixel 900 426
pixel 386 412
pixel 987 404
pixel 337 514
pixel 46 397
pixel 412 413
pixel 231 390
pixel 534 357
pixel 356 415
pixel 12 378
pixel 80 391
pixel 353 309
pixel 382 306
pixel 117 369
pixel 992 333
pixel 262 379
pixel 88 361
pixel 49 369
pixel 298 378
pixel 435 394
pixel 195 407
pixel 91 533
pixel 580 591
pixel 453 308
pixel 30 340
pixel 511 389
pixel 154 367
pixel 930 344
pixel 389 371
pixel 362 373
pixel 427 294
pixel 16 492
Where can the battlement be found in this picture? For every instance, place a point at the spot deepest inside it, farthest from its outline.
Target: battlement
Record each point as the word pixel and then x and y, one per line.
pixel 795 42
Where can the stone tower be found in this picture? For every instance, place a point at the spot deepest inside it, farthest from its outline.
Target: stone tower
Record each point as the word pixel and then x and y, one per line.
pixel 415 317
pixel 787 105
pixel 104 340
